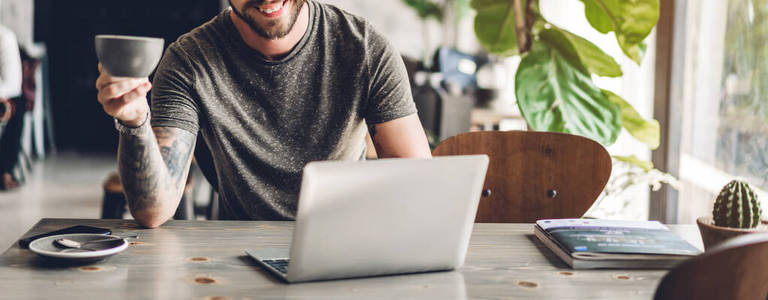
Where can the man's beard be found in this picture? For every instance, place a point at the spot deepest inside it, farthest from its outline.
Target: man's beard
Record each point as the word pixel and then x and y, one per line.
pixel 274 28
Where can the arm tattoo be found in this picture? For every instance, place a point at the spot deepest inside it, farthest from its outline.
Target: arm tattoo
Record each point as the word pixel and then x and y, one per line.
pixel 153 164
pixel 176 156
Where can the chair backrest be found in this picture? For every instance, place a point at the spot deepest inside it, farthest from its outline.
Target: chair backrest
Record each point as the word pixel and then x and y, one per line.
pixel 736 269
pixel 534 175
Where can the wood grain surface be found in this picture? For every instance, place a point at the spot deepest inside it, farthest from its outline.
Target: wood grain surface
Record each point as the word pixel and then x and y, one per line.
pixel 205 259
pixel 525 166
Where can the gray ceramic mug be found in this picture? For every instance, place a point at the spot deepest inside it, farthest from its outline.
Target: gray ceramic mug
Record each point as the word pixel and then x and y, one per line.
pixel 128 56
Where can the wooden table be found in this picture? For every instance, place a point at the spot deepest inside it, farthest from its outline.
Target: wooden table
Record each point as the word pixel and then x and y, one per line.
pixel 205 259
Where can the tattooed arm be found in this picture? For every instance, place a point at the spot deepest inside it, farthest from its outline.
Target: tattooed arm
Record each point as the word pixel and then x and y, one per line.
pixel 154 165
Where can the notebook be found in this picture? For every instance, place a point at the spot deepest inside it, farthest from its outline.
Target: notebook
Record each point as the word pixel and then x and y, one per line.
pixel 594 244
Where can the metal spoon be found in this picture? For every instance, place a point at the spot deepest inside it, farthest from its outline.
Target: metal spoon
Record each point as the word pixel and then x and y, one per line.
pixel 67 243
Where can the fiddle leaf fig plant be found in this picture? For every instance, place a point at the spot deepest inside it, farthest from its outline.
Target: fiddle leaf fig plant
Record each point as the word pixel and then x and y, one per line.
pixel 646 131
pixel 560 97
pixel 426 9
pixel 554 86
pixel 632 21
pixel 495 26
pixel 553 83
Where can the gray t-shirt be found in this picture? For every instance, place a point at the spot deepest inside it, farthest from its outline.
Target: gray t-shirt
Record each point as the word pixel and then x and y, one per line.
pixel 264 120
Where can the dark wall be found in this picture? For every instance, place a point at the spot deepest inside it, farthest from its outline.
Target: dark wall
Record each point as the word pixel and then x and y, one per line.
pixel 68 27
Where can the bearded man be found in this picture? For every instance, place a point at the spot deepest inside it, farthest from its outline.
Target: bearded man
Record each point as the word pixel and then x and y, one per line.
pixel 269 86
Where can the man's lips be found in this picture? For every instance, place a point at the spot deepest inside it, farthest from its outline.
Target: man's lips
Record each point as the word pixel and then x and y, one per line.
pixel 272 10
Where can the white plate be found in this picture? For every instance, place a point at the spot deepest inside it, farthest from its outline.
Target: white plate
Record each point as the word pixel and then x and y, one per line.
pixel 46 247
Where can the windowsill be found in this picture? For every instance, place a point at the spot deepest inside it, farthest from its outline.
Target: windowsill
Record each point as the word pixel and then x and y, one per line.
pixel 709 178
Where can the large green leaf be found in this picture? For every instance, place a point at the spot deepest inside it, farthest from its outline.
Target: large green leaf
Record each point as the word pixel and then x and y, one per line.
pixel 426 9
pixel 495 26
pixel 632 21
pixel 581 52
pixel 634 52
pixel 633 160
pixel 596 17
pixel 554 95
pixel 646 131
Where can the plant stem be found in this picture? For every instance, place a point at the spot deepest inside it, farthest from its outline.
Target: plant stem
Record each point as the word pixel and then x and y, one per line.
pixel 531 15
pixel 522 39
pixel 525 18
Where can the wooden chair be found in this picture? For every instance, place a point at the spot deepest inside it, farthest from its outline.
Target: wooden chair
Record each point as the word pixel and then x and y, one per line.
pixel 736 269
pixel 534 175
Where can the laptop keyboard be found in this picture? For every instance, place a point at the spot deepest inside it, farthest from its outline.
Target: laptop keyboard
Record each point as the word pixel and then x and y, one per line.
pixel 279 264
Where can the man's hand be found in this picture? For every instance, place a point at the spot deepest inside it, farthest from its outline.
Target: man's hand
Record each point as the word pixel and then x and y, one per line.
pixel 124 98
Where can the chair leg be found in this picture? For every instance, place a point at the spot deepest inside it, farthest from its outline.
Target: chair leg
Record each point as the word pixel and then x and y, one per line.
pixel 213 206
pixel 23 167
pixel 113 205
pixel 185 210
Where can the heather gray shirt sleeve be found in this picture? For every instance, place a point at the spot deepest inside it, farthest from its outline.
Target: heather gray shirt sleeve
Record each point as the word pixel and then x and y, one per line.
pixel 389 93
pixel 173 104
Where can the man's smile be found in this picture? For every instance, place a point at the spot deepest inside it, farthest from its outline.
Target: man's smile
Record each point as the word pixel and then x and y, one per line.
pixel 272 9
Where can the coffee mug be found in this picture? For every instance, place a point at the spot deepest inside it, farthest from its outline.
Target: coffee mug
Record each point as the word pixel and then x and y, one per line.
pixel 128 56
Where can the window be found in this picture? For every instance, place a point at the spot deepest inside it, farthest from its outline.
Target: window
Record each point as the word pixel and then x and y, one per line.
pixel 725 102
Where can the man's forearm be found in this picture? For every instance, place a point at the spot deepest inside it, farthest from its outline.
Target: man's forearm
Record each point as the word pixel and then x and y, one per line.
pixel 403 137
pixel 153 167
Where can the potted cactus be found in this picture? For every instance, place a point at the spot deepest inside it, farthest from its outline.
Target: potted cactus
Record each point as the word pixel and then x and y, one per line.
pixel 736 211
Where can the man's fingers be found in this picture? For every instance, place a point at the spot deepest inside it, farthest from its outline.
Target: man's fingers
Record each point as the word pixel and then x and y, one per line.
pixel 113 107
pixel 139 92
pixel 120 88
pixel 105 79
pixel 101 81
pixel 121 97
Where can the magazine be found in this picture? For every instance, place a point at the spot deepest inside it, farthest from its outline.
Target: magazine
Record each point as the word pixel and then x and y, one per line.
pixel 592 244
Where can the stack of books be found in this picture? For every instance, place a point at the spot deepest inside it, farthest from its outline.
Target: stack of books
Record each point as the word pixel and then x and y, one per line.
pixel 594 244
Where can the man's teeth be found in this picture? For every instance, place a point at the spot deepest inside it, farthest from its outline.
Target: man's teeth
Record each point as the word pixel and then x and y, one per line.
pixel 271 10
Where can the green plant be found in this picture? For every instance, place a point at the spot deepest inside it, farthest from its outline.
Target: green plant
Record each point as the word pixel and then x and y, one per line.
pixel 737 206
pixel 426 9
pixel 553 83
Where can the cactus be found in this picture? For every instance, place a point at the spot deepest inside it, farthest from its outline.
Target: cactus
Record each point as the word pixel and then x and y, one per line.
pixel 737 206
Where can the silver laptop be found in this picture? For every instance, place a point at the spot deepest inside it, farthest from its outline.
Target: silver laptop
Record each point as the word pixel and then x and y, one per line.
pixel 380 217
